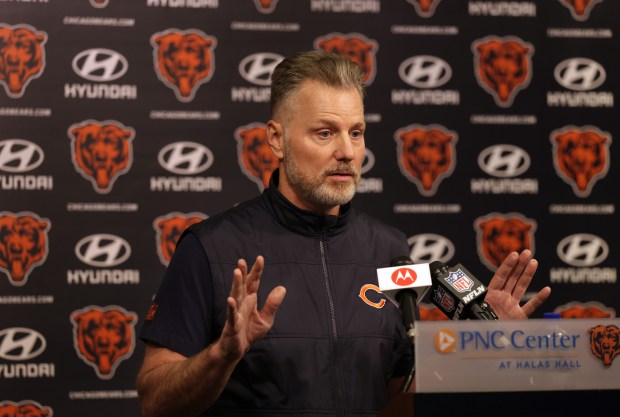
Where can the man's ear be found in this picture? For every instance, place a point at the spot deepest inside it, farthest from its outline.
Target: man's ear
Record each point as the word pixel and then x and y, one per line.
pixel 275 137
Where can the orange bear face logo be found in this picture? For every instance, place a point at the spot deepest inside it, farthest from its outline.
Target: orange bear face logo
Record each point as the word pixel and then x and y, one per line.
pixel 168 230
pixel 498 235
pixel 266 6
pixel 581 157
pixel 104 337
pixel 101 151
pixel 22 57
pixel 24 409
pixel 589 310
pixel 425 8
pixel 23 244
pixel 358 48
pixel 255 157
pixel 605 343
pixel 431 313
pixel 184 60
pixel 503 67
pixel 426 155
pixel 580 9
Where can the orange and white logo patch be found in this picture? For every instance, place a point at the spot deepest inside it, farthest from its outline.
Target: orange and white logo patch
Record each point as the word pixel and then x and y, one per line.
pixel 23 244
pixel 425 8
pixel 426 155
pixel 103 337
pixel 168 230
pixel 503 66
pixel 581 156
pixel 101 151
pixel 22 57
pixel 256 160
pixel 27 408
pixel 580 9
pixel 184 60
pixel 500 234
pixel 445 341
pixel 355 46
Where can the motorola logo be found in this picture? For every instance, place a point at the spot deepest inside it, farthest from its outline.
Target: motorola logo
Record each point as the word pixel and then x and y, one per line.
pixel 504 161
pixel 19 155
pixel 369 161
pixel 579 74
pixel 425 71
pixel 428 247
pixel 21 344
pixel 582 250
pixel 257 68
pixel 185 158
pixel 102 250
pixel 100 65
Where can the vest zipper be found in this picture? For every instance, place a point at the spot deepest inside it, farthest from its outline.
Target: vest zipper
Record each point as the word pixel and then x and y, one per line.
pixel 332 310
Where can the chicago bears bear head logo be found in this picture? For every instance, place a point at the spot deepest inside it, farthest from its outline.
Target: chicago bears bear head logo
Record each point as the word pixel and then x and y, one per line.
pixel 99 3
pixel 184 60
pixel 22 57
pixel 580 9
pixel 24 409
pixel 266 6
pixel 169 228
pixel 101 151
pixel 358 48
pixel 589 310
pixel 255 157
pixel 503 67
pixel 605 343
pixel 103 337
pixel 424 8
pixel 581 156
pixel 426 155
pixel 431 313
pixel 23 244
pixel 498 235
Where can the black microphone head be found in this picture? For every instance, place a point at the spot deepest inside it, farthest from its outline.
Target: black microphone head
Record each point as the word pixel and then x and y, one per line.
pixel 401 260
pixel 438 267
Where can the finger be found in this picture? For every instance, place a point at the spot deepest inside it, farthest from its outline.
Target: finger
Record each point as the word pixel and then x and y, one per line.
pixel 517 271
pixel 272 304
pixel 237 292
pixel 243 267
pixel 503 272
pixel 525 279
pixel 231 316
pixel 256 272
pixel 536 301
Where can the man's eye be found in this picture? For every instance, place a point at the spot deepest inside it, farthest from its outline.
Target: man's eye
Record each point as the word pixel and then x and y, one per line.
pixel 356 134
pixel 324 133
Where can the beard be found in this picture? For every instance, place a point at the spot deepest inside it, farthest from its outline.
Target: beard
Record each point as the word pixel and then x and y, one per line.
pixel 318 191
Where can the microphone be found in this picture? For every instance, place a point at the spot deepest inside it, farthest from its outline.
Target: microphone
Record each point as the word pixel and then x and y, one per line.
pixel 405 284
pixel 458 294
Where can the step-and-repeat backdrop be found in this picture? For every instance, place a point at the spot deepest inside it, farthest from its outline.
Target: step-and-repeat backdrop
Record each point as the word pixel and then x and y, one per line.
pixel 490 127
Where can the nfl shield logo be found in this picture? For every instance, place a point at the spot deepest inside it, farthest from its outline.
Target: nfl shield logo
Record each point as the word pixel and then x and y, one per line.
pixel 444 299
pixel 460 281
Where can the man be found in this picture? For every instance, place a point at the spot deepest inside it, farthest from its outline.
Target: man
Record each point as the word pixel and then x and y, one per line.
pixel 211 349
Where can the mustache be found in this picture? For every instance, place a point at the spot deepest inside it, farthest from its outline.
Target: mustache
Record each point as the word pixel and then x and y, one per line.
pixel 343 168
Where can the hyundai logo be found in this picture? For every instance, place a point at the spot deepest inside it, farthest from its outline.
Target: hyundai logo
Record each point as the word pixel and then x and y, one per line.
pixel 582 250
pixel 100 65
pixel 102 250
pixel 21 344
pixel 257 68
pixel 425 71
pixel 19 155
pixel 427 247
pixel 185 158
pixel 579 74
pixel 504 161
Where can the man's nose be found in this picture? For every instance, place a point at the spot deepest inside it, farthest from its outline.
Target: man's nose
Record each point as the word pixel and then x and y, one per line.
pixel 344 149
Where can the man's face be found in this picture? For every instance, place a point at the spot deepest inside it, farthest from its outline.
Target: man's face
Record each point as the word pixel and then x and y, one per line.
pixel 323 147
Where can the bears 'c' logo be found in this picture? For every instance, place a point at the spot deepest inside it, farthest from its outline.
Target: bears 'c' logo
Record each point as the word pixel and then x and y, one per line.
pixel 424 8
pixel 255 157
pixel 23 244
pixel 184 60
pixel 581 156
pixel 498 235
pixel 103 337
pixel 503 67
pixel 101 151
pixel 580 9
pixel 22 57
pixel 605 343
pixel 26 408
pixel 589 310
pixel 426 155
pixel 357 47
pixel 169 228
